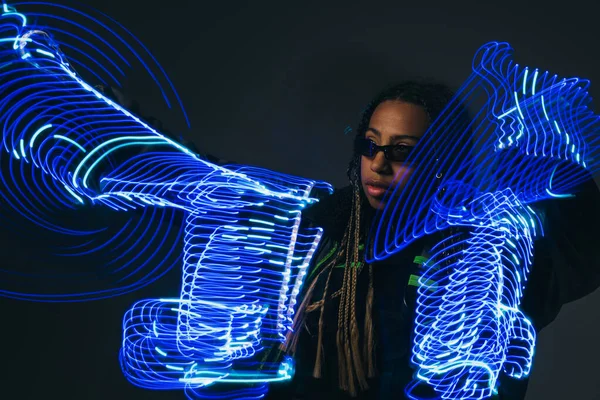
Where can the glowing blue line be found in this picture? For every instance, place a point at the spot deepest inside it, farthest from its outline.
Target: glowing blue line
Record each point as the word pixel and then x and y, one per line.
pixel 508 112
pixel 107 143
pixel 22 146
pixel 12 40
pixel 535 75
pixel 124 111
pixel 277 246
pixel 35 135
pixel 258 249
pixel 61 137
pixel 258 221
pixel 560 196
pixel 73 194
pixel 517 262
pixel 263 229
pixel 18 15
pixel 108 152
pixel 46 53
pixel 548 190
pixel 259 237
pixel 544 108
pixel 159 351
pixel 249 380
pixel 556 125
pixel 525 81
pixel 518 106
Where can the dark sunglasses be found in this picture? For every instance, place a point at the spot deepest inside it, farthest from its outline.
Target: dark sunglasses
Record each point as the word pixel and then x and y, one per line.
pixel 393 152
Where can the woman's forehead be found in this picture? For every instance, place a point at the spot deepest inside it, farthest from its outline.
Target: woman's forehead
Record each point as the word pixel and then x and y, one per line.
pixel 395 118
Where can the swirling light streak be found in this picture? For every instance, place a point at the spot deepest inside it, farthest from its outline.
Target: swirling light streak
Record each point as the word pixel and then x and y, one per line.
pixel 52 196
pixel 244 256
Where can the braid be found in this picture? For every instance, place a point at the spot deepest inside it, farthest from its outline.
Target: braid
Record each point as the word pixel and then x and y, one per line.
pixel 351 368
pixel 319 356
pixel 342 338
pixel 350 359
pixel 356 269
pixel 369 339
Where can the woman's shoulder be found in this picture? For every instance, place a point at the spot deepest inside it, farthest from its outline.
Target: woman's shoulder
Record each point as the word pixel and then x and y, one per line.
pixel 571 226
pixel 566 263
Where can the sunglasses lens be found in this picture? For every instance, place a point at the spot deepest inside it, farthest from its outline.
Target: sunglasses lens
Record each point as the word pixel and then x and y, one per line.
pixel 399 153
pixel 365 147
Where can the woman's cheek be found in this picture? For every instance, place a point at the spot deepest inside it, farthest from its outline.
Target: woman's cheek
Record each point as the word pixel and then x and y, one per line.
pixel 402 175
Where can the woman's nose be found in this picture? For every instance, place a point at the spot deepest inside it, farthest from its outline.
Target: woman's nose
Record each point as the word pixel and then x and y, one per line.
pixel 379 163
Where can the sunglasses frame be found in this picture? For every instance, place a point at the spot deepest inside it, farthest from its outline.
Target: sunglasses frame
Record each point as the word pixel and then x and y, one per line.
pixel 364 144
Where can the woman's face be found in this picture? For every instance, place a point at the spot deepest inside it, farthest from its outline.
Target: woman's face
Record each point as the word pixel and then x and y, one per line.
pixel 393 123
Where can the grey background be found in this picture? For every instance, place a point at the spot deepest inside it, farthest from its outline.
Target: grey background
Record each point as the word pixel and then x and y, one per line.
pixel 276 84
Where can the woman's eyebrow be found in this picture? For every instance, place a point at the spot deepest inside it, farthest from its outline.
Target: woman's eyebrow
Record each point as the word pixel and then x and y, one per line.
pixel 394 137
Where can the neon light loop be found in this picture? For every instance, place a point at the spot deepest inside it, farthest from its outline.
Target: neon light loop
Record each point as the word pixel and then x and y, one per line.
pixel 245 253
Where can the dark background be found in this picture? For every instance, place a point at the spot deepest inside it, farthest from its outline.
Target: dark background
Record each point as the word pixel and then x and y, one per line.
pixel 276 84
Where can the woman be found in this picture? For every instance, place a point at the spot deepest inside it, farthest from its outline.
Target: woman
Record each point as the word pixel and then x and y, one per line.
pixel 353 328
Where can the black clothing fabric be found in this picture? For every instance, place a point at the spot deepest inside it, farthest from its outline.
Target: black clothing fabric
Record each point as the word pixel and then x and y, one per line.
pixel 566 267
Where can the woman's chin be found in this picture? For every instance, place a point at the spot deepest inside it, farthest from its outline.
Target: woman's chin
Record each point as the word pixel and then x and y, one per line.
pixel 376 203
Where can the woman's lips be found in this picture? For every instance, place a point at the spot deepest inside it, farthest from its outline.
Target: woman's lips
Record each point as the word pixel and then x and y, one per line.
pixel 375 191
